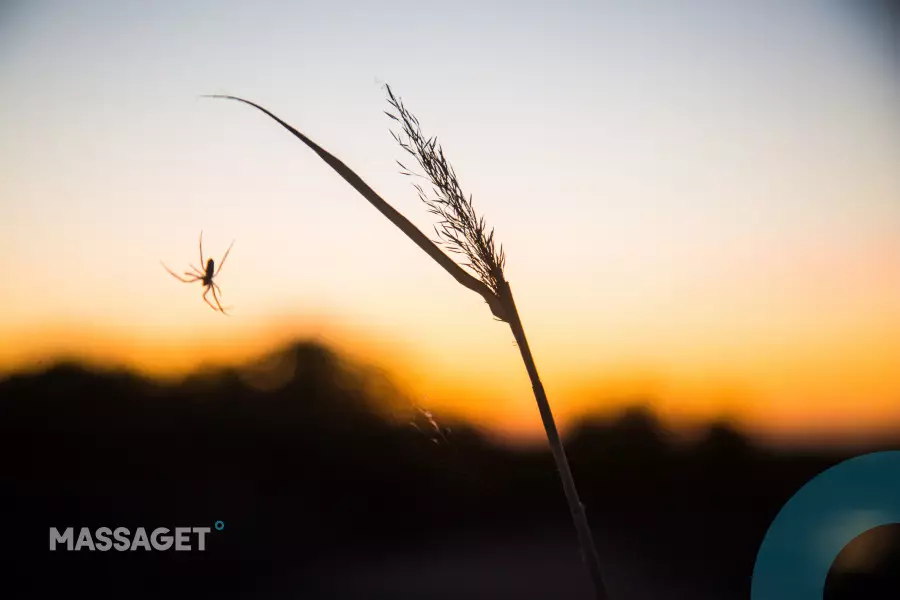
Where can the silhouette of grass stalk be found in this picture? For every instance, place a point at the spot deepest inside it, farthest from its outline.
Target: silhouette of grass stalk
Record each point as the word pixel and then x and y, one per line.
pixel 463 232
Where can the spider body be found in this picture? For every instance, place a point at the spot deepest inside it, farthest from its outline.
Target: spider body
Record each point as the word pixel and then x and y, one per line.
pixel 205 277
pixel 210 267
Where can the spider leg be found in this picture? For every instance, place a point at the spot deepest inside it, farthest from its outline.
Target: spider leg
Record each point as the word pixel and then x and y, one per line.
pixel 179 277
pixel 215 287
pixel 197 271
pixel 205 299
pixel 224 257
pixel 201 247
pixel 219 290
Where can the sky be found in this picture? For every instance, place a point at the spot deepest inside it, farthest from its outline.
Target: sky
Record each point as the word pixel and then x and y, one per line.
pixel 700 204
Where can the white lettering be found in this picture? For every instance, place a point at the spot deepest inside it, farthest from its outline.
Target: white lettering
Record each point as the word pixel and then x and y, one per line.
pixel 55 538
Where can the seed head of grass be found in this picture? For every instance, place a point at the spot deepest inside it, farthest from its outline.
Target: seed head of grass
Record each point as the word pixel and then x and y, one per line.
pixel 459 229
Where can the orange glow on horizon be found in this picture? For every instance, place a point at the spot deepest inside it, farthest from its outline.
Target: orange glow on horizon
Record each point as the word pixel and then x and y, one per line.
pixel 699 229
pixel 831 397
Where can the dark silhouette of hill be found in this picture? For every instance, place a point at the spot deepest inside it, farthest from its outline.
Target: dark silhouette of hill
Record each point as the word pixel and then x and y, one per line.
pixel 324 495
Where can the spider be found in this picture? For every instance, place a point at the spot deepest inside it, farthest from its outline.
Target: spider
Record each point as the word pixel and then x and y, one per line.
pixel 206 278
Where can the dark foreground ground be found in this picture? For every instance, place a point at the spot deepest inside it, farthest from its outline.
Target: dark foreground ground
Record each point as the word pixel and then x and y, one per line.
pixel 322 496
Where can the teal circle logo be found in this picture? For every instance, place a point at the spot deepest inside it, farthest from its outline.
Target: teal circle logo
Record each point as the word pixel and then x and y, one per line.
pixel 825 515
pixel 220 525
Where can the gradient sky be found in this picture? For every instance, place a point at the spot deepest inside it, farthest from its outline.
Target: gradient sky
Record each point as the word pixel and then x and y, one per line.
pixel 700 204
